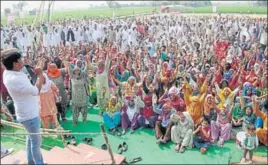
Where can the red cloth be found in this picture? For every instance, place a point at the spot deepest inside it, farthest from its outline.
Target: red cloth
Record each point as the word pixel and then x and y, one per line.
pixel 148 112
pixel 233 82
pixel 178 104
pixel 203 137
pixel 220 49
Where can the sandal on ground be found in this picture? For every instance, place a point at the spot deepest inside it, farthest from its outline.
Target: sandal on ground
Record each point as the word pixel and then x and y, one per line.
pixel 73 141
pixel 125 146
pixel 113 131
pixel 135 160
pixel 67 136
pixel 87 139
pixel 120 149
pixel 104 147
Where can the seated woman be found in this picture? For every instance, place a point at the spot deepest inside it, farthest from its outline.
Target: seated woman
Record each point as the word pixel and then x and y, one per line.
pixel 130 113
pixel 194 105
pixel 163 124
pixel 225 95
pixel 222 128
pixel 47 98
pixel 262 133
pixel 112 115
pixel 147 117
pixel 238 112
pixel 209 112
pixel 248 91
pixel 202 136
pixel 182 131
pixel 171 97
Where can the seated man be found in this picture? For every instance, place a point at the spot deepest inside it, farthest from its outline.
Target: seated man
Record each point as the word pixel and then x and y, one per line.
pixel 163 124
pixel 182 131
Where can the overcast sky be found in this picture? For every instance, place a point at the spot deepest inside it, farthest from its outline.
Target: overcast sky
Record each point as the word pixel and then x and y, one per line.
pixel 73 4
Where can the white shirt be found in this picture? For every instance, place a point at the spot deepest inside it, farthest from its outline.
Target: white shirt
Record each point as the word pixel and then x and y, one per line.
pixel 263 39
pixel 23 93
pixel 138 104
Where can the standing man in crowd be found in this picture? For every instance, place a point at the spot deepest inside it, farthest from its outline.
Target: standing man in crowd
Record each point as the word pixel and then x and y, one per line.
pixel 25 97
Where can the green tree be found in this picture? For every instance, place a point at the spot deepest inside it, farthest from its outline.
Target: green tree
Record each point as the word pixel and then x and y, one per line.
pixel 7 11
pixel 20 5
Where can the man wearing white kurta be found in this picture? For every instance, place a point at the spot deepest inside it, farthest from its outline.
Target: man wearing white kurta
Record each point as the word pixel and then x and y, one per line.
pixel 133 36
pixel 124 42
pixel 182 131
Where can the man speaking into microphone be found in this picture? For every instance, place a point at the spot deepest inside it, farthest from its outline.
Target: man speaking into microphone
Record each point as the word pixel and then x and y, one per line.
pixel 25 98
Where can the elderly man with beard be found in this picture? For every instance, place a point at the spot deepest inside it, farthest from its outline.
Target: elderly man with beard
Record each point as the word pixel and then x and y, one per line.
pixel 182 131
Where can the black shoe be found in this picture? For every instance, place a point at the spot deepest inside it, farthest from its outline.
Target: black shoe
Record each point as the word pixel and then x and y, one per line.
pixel 66 136
pixel 104 147
pixel 120 149
pixel 68 143
pixel 89 140
pixel 125 146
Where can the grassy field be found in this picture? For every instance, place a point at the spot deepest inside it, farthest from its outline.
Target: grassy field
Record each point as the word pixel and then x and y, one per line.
pixel 88 12
pixel 107 12
pixel 227 9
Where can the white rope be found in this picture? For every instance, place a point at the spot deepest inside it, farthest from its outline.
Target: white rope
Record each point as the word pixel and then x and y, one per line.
pixel 53 133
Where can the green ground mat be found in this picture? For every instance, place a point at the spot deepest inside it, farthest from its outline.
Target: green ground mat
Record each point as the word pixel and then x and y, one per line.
pixel 140 144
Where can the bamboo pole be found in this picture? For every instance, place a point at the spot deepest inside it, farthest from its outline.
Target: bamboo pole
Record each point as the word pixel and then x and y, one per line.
pixel 42 12
pixel 16 125
pixel 36 15
pixel 107 143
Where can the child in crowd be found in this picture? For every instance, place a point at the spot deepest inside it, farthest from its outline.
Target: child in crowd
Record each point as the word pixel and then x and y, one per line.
pixel 250 143
pixel 202 136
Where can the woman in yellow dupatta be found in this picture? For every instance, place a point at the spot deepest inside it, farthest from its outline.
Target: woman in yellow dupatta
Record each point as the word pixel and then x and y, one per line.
pixel 225 95
pixel 194 104
pixel 112 115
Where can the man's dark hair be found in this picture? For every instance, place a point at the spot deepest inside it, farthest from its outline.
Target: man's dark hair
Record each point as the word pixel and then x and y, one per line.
pixel 9 58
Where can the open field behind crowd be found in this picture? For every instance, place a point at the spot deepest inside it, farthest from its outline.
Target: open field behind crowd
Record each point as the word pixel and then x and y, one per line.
pixel 107 12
